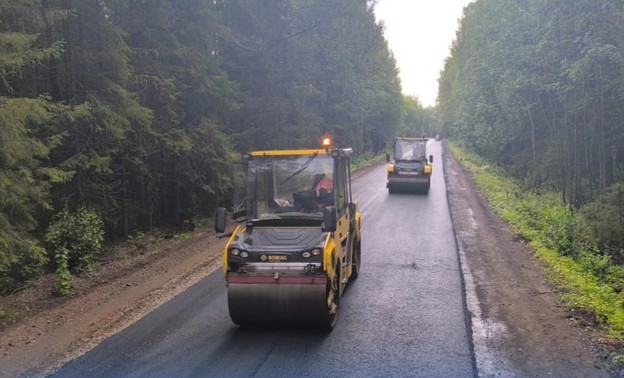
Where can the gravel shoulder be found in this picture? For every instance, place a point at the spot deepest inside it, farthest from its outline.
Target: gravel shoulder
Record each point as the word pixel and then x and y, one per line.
pixel 518 322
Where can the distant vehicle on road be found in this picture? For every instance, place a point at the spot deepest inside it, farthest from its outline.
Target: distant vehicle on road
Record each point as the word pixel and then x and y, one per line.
pixel 410 171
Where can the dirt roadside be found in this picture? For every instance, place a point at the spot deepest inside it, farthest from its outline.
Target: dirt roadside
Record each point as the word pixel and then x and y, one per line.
pixel 518 322
pixel 45 331
pixel 519 326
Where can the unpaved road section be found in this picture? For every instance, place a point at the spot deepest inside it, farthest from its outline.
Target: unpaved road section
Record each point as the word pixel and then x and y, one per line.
pixel 519 327
pixel 517 323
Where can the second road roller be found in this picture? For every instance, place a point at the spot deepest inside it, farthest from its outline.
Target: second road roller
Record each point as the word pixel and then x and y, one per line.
pixel 410 172
pixel 297 243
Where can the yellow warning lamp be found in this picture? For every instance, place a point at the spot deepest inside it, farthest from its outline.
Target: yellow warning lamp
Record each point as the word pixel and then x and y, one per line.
pixel 327 142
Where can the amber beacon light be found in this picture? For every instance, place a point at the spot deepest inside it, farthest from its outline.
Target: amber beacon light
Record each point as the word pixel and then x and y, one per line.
pixel 327 142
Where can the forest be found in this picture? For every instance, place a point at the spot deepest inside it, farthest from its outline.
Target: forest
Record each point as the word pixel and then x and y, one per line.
pixel 535 89
pixel 118 117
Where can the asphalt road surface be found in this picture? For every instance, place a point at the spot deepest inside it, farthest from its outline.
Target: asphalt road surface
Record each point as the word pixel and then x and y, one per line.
pixel 404 316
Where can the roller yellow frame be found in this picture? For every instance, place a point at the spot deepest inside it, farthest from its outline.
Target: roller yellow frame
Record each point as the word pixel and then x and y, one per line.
pixel 298 243
pixel 410 170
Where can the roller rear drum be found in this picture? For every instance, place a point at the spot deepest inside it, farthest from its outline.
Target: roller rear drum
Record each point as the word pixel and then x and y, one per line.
pixel 274 304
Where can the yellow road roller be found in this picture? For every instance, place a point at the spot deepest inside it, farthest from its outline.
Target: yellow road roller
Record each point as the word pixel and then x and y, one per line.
pixel 297 242
pixel 410 171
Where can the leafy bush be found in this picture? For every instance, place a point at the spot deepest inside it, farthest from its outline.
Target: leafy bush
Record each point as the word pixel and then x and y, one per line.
pixel 20 260
pixel 602 221
pixel 74 240
pixel 615 277
pixel 558 229
pixel 63 275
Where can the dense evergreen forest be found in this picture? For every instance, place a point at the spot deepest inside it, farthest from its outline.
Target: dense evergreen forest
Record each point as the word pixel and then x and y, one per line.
pixel 120 116
pixel 537 86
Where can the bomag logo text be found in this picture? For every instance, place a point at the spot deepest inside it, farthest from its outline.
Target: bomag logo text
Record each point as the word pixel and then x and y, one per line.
pixel 274 258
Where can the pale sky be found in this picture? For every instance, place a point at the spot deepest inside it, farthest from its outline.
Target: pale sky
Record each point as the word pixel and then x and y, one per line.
pixel 420 34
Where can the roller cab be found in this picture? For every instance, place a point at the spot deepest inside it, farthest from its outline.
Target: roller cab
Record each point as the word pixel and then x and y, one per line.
pixel 410 171
pixel 297 244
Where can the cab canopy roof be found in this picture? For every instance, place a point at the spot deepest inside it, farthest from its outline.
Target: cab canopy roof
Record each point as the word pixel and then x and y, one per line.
pixel 306 152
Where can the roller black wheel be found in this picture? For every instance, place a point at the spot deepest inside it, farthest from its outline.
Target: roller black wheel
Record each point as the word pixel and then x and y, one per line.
pixel 333 297
pixel 356 261
pixel 426 189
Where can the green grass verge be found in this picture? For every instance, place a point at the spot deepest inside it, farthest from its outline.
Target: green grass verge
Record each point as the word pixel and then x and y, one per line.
pixel 546 223
pixel 366 160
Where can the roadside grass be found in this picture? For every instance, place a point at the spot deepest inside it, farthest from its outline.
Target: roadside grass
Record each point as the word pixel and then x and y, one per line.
pixel 366 160
pixel 7 315
pixel 547 225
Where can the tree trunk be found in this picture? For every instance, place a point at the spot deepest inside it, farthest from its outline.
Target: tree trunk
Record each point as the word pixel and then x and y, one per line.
pixel 533 150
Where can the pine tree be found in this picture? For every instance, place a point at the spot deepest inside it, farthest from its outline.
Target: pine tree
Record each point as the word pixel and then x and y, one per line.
pixel 25 176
